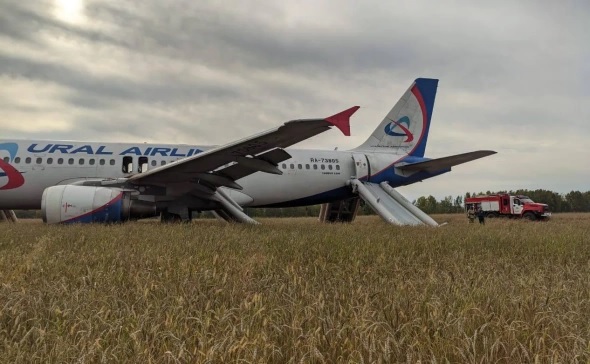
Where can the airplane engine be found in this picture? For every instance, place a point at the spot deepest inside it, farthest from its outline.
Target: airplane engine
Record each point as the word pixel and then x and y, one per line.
pixel 86 204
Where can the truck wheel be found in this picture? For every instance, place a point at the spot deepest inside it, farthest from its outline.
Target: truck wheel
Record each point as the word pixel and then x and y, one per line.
pixel 529 216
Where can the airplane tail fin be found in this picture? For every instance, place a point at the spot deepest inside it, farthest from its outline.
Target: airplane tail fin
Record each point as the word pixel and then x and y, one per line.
pixel 405 128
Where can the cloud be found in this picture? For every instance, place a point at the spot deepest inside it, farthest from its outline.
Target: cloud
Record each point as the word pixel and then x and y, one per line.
pixel 513 76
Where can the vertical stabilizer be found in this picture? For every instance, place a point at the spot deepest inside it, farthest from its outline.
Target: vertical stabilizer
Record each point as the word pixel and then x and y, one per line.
pixel 405 128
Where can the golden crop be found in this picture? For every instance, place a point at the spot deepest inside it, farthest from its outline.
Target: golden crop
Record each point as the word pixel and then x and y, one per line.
pixel 296 291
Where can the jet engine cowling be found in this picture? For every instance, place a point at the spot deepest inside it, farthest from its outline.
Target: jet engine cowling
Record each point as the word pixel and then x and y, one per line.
pixel 87 204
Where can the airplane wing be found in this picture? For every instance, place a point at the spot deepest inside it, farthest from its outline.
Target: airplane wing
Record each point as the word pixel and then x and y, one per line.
pixel 444 163
pixel 222 166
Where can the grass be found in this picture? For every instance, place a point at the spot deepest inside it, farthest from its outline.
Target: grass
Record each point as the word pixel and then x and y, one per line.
pixel 296 291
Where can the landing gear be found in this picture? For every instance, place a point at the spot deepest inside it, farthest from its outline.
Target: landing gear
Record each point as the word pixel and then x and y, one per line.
pixel 169 218
pixel 8 216
pixel 172 216
pixel 340 211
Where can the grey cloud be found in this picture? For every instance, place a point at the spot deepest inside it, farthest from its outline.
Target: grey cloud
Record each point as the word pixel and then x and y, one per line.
pixel 107 87
pixel 24 21
pixel 204 72
pixel 243 41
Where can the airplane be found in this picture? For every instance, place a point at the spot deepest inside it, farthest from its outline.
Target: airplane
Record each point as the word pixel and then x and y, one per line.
pixel 89 182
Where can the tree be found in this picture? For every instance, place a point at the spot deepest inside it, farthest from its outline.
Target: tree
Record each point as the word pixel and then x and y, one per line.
pixel 446 205
pixel 458 204
pixel 427 204
pixel 578 201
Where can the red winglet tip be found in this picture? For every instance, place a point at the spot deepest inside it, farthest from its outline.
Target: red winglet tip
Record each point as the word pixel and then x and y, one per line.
pixel 342 119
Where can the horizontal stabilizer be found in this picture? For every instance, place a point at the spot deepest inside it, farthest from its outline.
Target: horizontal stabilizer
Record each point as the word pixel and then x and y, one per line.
pixel 445 162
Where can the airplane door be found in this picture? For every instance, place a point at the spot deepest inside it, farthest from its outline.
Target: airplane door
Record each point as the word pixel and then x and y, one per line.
pixel 361 165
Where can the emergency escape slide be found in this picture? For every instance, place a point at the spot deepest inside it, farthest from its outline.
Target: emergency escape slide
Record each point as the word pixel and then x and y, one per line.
pixel 390 204
pixel 382 198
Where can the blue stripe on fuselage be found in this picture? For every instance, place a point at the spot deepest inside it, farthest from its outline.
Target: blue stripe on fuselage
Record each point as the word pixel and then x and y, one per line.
pixel 328 196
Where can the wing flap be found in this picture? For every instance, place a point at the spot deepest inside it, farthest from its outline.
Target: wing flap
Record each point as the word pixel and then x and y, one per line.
pixel 246 166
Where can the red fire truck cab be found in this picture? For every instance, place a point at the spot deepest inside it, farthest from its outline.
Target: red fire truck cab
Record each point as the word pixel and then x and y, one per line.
pixel 511 206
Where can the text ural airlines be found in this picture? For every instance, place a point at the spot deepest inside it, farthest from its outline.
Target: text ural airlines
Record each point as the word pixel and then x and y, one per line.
pixel 103 150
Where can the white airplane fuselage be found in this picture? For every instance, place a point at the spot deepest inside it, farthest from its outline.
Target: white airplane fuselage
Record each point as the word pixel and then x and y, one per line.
pixel 309 177
pixel 102 182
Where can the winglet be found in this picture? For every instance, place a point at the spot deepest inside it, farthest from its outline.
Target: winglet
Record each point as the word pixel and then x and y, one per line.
pixel 342 119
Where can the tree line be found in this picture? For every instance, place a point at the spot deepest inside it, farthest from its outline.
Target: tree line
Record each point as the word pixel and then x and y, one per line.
pixel 574 201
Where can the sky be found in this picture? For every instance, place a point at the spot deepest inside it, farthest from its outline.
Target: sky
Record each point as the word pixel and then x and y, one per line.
pixel 513 77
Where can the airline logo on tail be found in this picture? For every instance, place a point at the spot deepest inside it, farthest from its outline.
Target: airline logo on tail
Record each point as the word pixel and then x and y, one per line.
pixel 406 124
pixel 404 130
pixel 400 128
pixel 14 178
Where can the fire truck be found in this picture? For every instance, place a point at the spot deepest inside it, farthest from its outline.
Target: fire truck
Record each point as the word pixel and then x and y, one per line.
pixel 518 206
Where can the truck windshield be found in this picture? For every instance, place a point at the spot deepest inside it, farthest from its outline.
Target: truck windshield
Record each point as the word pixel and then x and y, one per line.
pixel 526 200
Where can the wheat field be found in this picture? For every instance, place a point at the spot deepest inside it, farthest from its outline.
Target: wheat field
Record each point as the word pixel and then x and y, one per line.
pixel 296 291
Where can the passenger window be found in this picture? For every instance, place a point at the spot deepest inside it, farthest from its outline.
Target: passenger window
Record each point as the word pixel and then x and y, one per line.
pixel 102 162
pixel 28 160
pixel 81 161
pixel 154 163
pixel 323 167
pixel 307 166
pixel 143 164
pixel 60 161
pixel 299 166
pixel 315 166
pixel 6 159
pixel 163 163
pixel 338 167
pixel 292 166
pixel 71 161
pixel 49 160
pixel 127 164
pixel 112 162
pixel 91 162
pixel 284 166
pixel 39 160
pixel 17 160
